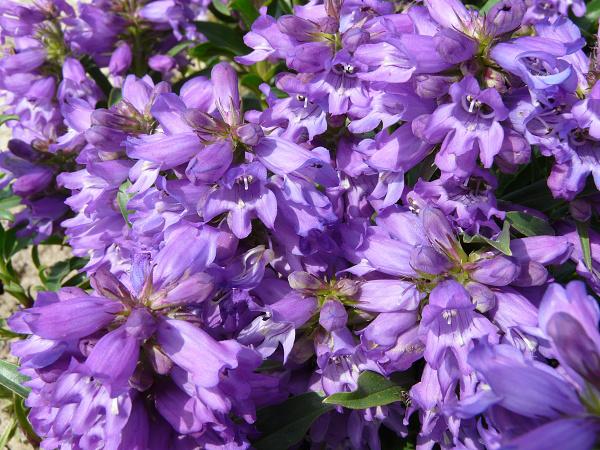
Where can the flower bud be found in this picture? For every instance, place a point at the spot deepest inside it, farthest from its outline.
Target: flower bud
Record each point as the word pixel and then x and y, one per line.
pixel 454 47
pixel 505 16
pixel 120 60
pixel 515 151
pixel 250 133
pixel 162 63
pixel 499 270
pixel 426 260
pixel 431 86
pixel 22 149
pixel 580 210
pixel 483 297
pixel 333 315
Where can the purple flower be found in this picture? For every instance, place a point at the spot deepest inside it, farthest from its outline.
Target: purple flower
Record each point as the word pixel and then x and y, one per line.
pixel 548 405
pixel 96 364
pixel 538 61
pixel 467 126
pixel 120 60
pixel 242 193
pixel 569 317
pixel 577 155
pixel 450 324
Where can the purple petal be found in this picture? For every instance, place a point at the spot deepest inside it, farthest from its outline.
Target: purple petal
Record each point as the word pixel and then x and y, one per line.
pixel 72 318
pixel 170 151
pixel 226 92
pixel 197 352
pixel 211 162
pixel 566 434
pixel 499 270
pixel 388 296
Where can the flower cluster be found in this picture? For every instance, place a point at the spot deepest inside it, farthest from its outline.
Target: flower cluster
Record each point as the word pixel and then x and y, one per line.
pixel 403 189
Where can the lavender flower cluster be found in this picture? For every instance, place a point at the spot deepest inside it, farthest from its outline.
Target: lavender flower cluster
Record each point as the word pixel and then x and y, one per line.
pixel 400 192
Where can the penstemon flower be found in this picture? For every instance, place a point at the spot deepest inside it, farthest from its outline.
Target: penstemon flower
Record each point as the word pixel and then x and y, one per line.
pixel 332 224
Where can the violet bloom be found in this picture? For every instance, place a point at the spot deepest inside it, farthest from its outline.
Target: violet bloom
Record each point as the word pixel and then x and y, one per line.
pixel 97 224
pixel 392 156
pixel 95 30
pixel 541 62
pixel 577 156
pixel 129 117
pixel 467 126
pixel 471 209
pixel 548 11
pixel 208 137
pixel 322 43
pixel 283 312
pixel 90 368
pixel 559 406
pixel 76 84
pixel 546 414
pixel 462 297
pixel 450 323
pixel 179 16
pixel 296 114
pixel 242 193
pixel 120 60
pixel 35 88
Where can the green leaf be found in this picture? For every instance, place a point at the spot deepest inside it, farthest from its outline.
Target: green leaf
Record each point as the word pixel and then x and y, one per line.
pixel 207 50
pixel 5 393
pixel 122 199
pixel 593 10
pixel 222 7
pixel 223 36
pixel 20 412
pixel 11 244
pixel 252 81
pixel 18 293
pixel 6 117
pixel 277 8
pixel 584 239
pixel 35 257
pixel 529 225
pixel 53 277
pixel 285 424
pixel 114 96
pixel 373 390
pixel 5 332
pixel 177 49
pixel 8 433
pixel 6 203
pixel 12 380
pixel 502 243
pixel 488 5
pixel 247 11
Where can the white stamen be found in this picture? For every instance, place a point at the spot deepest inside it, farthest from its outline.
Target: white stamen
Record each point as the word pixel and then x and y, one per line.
pixel 448 315
pixel 114 406
pixel 471 105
